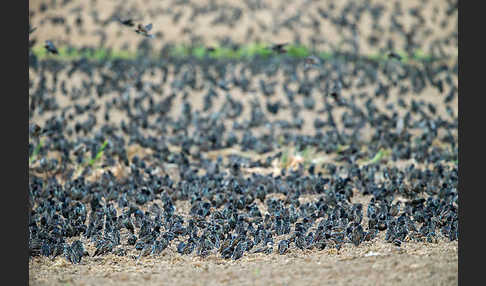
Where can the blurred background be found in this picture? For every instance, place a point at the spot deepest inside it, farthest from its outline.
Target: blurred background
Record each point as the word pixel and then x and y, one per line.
pixel 364 27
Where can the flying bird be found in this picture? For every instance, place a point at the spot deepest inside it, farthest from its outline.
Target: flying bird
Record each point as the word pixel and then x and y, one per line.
pixel 311 61
pixel 127 22
pixel 279 48
pixel 31 29
pixel 50 47
pixel 393 55
pixel 144 30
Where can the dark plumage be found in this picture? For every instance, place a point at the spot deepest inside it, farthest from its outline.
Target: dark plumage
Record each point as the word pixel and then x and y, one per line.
pixel 283 246
pixel 144 30
pixel 279 48
pixel 49 46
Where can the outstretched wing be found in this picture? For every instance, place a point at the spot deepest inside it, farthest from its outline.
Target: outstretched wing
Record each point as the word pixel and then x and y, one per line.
pixel 50 46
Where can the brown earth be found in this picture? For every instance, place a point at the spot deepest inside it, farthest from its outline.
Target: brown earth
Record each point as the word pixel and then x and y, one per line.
pixel 369 264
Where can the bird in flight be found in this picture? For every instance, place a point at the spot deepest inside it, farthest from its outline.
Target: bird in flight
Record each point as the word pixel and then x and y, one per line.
pixel 127 22
pixel 50 47
pixel 31 29
pixel 311 61
pixel 144 30
pixel 279 48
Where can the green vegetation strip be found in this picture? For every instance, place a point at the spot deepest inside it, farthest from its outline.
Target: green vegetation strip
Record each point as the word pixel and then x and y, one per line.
pixel 35 152
pixel 182 51
pixel 99 154
pixel 382 153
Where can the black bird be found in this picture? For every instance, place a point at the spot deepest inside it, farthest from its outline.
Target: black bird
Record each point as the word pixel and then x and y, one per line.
pixel 368 236
pixel 31 29
pixel 146 250
pixel 357 235
pixel 144 30
pixel 279 48
pixel 159 246
pixel 393 55
pixel 267 248
pixel 34 130
pixel 283 246
pixel 239 250
pixel 311 61
pixel 102 247
pixel 300 242
pixel 75 252
pixel 395 209
pixel 50 47
pixel 335 90
pixel 127 223
pixel 127 22
pixel 32 43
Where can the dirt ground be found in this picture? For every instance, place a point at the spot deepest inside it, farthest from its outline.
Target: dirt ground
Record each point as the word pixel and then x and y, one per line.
pixel 371 263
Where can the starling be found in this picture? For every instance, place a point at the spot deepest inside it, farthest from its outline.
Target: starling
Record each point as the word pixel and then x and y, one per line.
pixel 239 249
pixel 395 209
pixel 144 30
pixel 31 29
pixel 77 246
pixel 185 248
pixel 103 247
pixel 397 242
pixel 393 55
pixel 267 248
pixel 50 47
pixel 127 22
pixel 189 248
pixel 127 223
pixel 159 246
pixel 283 246
pixel 146 250
pixel 336 90
pixel 370 234
pixel 279 48
pixel 32 43
pixel 311 61
pixel 357 235
pixel 34 130
pixel 75 252
pixel 58 250
pixel 227 252
pixel 300 242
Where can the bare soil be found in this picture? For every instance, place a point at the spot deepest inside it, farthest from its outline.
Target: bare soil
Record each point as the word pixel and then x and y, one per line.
pixel 372 263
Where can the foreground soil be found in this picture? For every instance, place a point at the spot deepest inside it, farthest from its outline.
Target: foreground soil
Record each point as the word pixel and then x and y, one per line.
pixel 372 263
